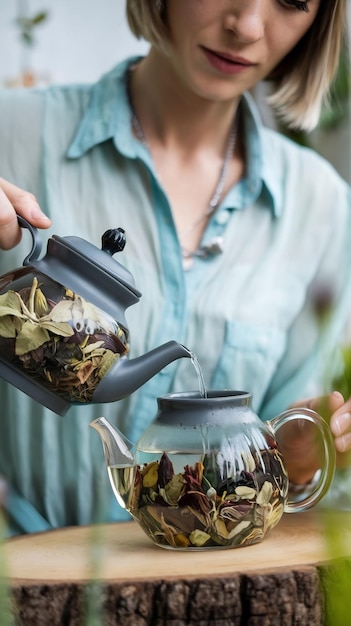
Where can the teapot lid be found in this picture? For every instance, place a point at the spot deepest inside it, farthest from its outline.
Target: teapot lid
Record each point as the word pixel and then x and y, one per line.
pixel 89 271
pixel 81 251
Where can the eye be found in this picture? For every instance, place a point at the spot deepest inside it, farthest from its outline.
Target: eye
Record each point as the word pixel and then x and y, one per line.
pixel 299 5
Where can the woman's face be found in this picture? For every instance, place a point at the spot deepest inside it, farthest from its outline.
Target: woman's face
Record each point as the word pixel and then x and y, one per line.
pixel 221 48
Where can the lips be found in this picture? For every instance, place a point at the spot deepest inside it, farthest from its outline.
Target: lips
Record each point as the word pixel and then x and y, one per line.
pixel 227 63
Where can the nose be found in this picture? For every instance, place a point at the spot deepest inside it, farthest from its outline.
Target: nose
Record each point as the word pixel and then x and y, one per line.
pixel 246 19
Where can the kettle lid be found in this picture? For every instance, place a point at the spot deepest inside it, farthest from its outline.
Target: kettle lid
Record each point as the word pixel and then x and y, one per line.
pixel 81 254
pixel 89 271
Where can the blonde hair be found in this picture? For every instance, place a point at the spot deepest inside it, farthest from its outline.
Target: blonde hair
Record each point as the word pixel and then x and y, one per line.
pixel 146 19
pixel 300 84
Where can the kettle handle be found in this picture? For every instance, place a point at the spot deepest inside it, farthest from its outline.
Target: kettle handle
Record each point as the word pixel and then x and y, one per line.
pixel 36 241
pixel 323 479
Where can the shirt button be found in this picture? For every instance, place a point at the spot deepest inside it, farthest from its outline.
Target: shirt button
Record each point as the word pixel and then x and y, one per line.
pixel 222 218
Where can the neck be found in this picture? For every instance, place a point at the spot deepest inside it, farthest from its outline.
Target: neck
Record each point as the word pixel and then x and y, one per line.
pixel 192 142
pixel 161 109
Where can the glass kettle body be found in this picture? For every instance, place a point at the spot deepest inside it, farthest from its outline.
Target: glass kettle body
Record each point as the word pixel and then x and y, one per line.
pixel 207 472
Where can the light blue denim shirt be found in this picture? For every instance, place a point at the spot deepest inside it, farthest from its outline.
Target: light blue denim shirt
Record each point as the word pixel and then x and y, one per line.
pixel 247 313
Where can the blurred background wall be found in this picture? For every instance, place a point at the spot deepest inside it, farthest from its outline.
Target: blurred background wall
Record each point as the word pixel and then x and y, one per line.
pixel 77 40
pixel 62 41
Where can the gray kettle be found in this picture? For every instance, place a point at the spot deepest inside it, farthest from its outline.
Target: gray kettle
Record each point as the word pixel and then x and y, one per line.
pixel 64 339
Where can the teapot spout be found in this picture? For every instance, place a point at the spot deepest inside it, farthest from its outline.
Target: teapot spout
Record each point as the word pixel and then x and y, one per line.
pixel 117 448
pixel 125 376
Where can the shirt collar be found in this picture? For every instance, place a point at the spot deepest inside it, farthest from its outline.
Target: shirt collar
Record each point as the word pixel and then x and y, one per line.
pixel 262 176
pixel 108 116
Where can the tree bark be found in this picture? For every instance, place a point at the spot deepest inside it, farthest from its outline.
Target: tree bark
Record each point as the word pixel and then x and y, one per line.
pixel 288 580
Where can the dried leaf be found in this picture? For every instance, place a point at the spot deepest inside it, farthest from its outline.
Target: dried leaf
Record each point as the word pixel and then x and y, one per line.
pixel 85 371
pixel 256 535
pixel 261 515
pixel 7 327
pixel 199 538
pixel 31 337
pixel 211 493
pixel 136 491
pixel 41 306
pixel 10 304
pixel 184 507
pixel 181 541
pixel 154 513
pixel 106 362
pixel 169 531
pixel 221 528
pixel 275 516
pixel 150 474
pixel 93 346
pixel 173 490
pixel 246 493
pixel 63 329
pixel 62 311
pixel 239 528
pixel 165 470
pixel 233 513
pixel 265 494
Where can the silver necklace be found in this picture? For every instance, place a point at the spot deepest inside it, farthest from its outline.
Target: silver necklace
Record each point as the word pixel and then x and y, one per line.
pixel 215 246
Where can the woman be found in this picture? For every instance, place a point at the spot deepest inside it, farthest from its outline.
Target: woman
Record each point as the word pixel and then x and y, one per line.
pixel 232 230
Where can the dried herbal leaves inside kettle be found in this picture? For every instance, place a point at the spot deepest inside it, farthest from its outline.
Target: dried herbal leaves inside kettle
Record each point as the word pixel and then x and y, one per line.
pixel 67 342
pixel 207 505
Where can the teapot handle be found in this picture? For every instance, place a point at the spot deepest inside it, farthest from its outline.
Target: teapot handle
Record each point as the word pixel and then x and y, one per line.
pixel 36 241
pixel 326 473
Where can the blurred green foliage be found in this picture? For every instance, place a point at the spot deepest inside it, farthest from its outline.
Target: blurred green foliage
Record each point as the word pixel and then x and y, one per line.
pixel 339 107
pixel 27 26
pixel 342 381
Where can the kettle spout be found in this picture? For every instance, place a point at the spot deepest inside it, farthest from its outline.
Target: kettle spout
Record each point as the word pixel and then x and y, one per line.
pixel 117 448
pixel 125 376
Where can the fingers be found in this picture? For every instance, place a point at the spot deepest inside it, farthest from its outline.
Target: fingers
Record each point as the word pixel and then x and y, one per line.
pixel 340 425
pixel 13 201
pixel 334 408
pixel 325 405
pixel 328 405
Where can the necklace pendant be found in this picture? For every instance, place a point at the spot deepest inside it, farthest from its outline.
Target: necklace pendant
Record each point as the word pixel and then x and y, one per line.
pixel 212 248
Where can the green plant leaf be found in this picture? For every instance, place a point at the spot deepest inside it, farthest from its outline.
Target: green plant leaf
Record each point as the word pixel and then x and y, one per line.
pixel 39 18
pixel 22 22
pixel 27 38
pixel 342 380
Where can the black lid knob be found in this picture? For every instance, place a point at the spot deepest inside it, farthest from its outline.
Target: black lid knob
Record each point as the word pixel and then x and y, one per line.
pixel 113 240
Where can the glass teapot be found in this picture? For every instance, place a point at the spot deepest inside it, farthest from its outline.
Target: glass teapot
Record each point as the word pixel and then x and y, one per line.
pixel 63 335
pixel 207 472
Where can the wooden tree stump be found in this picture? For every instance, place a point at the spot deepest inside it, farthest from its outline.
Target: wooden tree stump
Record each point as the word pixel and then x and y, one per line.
pixel 116 572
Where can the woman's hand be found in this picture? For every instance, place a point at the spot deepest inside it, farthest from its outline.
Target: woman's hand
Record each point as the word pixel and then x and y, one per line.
pixel 13 201
pixel 300 442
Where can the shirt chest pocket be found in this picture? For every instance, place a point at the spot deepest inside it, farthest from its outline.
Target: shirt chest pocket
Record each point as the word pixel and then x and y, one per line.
pixel 249 358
